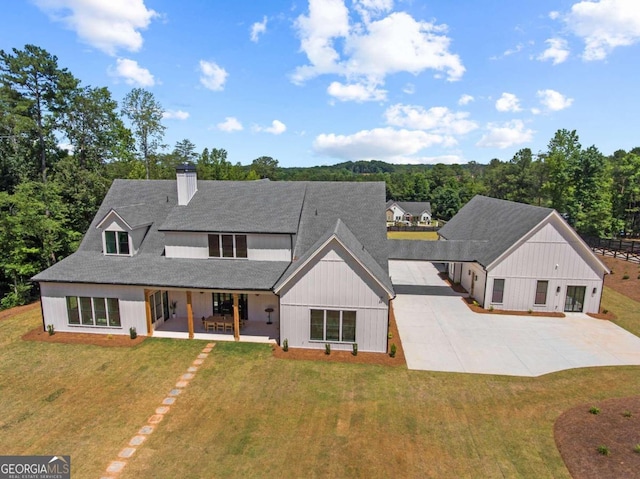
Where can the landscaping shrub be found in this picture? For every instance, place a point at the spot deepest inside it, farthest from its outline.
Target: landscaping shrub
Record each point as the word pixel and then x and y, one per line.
pixel 637 448
pixel 627 414
pixel 594 410
pixel 392 353
pixel 355 349
pixel 604 450
pixel 327 349
pixel 133 334
pixel 625 276
pixel 50 330
pixel 285 345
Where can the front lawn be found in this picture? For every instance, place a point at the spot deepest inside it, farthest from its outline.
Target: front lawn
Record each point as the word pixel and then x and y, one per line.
pixel 413 235
pixel 248 414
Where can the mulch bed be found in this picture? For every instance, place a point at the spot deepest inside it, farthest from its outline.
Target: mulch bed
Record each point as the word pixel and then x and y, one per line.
pixel 116 340
pixel 478 309
pixel 347 356
pixel 578 434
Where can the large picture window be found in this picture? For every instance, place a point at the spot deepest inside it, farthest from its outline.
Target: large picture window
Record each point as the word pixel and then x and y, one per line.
pixel 541 292
pixel 227 246
pixel 86 311
pixel 332 325
pixel 223 304
pixel 116 242
pixel 498 291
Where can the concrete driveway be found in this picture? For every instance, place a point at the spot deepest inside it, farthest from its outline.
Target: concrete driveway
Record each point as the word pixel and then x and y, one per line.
pixel 440 333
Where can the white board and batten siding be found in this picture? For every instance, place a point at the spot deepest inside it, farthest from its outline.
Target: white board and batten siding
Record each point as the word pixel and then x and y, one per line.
pixel 333 280
pixel 130 300
pixel 260 247
pixel 472 274
pixel 551 254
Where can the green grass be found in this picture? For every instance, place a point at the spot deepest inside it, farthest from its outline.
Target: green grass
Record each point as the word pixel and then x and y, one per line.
pixel 627 310
pixel 413 235
pixel 247 414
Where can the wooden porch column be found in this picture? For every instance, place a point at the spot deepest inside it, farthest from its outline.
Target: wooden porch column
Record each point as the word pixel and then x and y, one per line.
pixel 147 308
pixel 236 318
pixel 189 315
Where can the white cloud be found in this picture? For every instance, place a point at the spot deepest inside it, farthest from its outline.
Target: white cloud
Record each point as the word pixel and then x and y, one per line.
pixel 508 102
pixel 356 92
pixel 465 99
pixel 557 51
pixel 438 119
pixel 230 124
pixel 132 73
pixel 504 135
pixel 553 100
pixel 604 25
pixel 276 128
pixel 258 29
pixel 379 143
pixel 409 89
pixel 175 115
pixel 108 25
pixel 553 15
pixel 366 52
pixel 213 76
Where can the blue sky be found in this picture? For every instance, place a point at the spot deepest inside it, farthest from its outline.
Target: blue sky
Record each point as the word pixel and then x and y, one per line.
pixel 323 81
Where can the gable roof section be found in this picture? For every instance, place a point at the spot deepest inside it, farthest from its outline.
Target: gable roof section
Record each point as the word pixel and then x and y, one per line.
pixel 346 238
pixel 240 207
pixel 134 216
pixel 500 223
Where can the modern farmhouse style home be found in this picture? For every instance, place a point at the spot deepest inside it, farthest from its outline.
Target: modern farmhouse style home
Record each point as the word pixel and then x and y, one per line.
pixel 414 212
pixel 514 256
pixel 302 261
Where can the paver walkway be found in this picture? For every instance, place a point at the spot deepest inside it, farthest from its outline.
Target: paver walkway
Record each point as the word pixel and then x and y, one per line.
pixel 116 466
pixel 440 333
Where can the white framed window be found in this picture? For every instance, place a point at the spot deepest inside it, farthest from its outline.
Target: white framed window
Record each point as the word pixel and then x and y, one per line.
pixel 332 325
pixel 541 292
pixel 87 311
pixel 498 290
pixel 116 243
pixel 227 246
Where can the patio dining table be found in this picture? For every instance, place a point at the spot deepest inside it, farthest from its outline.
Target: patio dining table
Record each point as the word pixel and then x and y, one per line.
pixel 219 323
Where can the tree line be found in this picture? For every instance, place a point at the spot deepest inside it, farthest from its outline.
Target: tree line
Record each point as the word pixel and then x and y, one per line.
pixel 62 143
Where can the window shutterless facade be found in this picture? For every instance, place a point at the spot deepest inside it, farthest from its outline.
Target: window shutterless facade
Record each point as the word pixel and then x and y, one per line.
pixel 498 291
pixel 332 325
pixel 116 242
pixel 227 246
pixel 86 311
pixel 541 292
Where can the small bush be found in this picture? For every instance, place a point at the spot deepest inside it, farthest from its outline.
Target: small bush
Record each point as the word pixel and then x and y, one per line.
pixel 475 303
pixel 605 310
pixel 51 330
pixel 355 349
pixel 133 334
pixel 285 345
pixel 627 414
pixel 390 335
pixel 109 337
pixel 392 353
pixel 604 450
pixel 327 349
pixel 639 276
pixel 530 311
pixel 625 276
pixel 637 448
pixel 490 308
pixel 594 410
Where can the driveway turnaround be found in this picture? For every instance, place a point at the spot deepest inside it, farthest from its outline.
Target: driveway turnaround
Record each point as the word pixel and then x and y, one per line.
pixel 440 333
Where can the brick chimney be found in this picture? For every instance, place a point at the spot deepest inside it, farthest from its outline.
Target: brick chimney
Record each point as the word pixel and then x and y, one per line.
pixel 187 181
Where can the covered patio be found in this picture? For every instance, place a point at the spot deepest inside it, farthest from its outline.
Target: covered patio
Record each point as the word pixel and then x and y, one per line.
pixel 249 316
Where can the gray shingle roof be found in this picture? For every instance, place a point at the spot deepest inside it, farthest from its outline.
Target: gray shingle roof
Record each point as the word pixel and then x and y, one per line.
pixel 500 223
pixel 304 209
pixel 445 251
pixel 240 207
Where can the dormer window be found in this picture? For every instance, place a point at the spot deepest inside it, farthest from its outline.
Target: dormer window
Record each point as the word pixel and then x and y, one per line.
pixel 116 242
pixel 227 246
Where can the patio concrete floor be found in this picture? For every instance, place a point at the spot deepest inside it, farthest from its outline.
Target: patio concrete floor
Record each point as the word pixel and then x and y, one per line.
pixel 440 333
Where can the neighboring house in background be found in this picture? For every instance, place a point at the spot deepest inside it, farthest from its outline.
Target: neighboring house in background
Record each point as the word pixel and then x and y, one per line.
pixel 245 249
pixel 514 256
pixel 415 212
